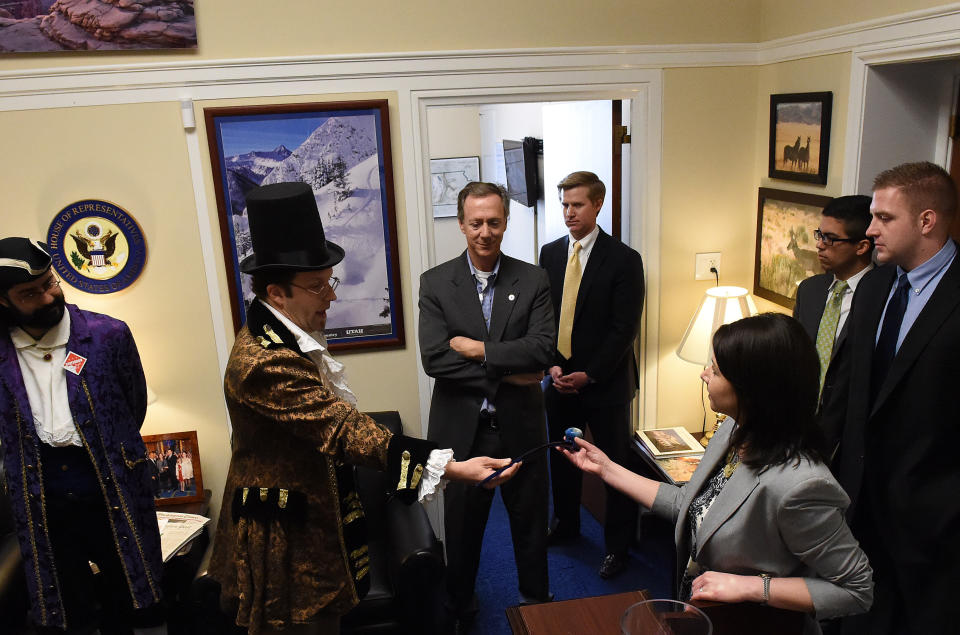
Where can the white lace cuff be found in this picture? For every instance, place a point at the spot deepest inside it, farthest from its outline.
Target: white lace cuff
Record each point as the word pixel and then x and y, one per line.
pixel 433 475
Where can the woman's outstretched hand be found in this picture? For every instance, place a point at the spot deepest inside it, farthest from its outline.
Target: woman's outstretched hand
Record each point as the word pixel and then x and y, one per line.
pixel 588 457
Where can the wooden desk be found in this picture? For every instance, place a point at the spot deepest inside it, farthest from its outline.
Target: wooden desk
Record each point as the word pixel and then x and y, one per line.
pixel 599 614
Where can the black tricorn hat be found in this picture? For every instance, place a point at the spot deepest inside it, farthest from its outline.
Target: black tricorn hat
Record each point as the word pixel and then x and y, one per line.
pixel 22 260
pixel 286 231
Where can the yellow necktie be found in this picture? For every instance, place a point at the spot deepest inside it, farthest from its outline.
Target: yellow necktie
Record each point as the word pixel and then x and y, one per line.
pixel 571 285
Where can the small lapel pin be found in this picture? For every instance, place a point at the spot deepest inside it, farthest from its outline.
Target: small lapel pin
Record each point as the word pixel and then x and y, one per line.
pixel 511 297
pixel 74 363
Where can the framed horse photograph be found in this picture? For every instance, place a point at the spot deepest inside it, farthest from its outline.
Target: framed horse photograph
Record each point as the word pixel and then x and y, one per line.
pixel 800 136
pixel 786 251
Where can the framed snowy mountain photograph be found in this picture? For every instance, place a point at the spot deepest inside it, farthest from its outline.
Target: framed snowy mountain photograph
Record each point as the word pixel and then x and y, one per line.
pixel 342 150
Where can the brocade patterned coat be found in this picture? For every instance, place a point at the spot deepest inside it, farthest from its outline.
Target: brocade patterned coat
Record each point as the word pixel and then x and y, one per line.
pixel 108 401
pixel 284 567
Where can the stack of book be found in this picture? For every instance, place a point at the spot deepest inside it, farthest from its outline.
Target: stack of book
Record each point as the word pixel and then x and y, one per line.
pixel 673 451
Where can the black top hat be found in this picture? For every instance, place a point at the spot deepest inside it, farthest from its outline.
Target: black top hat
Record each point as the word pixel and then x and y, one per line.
pixel 22 260
pixel 286 230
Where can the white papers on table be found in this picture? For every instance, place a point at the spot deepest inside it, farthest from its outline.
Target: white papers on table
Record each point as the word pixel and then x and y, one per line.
pixel 177 530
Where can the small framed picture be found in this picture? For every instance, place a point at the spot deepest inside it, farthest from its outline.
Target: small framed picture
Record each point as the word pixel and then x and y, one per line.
pixel 670 442
pixel 174 463
pixel 800 136
pixel 786 251
pixel 447 178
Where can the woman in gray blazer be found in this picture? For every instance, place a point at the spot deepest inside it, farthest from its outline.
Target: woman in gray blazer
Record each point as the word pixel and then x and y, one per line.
pixel 762 518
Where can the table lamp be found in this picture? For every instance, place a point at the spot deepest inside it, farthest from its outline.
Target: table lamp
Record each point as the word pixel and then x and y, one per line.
pixel 719 306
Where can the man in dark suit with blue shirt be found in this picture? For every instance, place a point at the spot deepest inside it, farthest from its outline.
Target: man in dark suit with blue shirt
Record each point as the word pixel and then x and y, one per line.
pixel 597 288
pixel 486 337
pixel 896 458
pixel 824 300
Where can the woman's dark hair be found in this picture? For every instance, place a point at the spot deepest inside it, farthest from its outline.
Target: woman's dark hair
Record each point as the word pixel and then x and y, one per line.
pixel 774 370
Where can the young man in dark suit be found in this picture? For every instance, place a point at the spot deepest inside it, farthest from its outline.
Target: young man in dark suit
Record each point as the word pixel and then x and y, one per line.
pixel 597 291
pixel 895 457
pixel 486 336
pixel 823 301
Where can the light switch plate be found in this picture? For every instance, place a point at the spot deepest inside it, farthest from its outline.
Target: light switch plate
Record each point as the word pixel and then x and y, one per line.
pixel 704 262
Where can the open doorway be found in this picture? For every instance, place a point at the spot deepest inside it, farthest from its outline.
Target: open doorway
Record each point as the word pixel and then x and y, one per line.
pixel 569 135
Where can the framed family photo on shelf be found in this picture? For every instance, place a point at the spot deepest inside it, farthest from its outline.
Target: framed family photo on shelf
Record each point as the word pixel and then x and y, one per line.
pixel 800 136
pixel 786 252
pixel 174 463
pixel 342 150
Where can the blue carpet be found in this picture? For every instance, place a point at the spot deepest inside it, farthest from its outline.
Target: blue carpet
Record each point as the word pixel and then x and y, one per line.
pixel 572 566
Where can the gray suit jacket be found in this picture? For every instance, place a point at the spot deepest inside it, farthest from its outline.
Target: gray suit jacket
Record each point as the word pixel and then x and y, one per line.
pixel 520 339
pixel 785 520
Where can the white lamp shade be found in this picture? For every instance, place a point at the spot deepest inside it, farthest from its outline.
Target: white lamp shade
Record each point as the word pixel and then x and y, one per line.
pixel 720 305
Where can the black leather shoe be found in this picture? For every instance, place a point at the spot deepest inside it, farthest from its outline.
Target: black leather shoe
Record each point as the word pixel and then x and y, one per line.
pixel 558 533
pixel 612 565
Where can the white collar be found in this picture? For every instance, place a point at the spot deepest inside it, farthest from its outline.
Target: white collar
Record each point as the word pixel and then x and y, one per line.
pixel 55 337
pixel 587 241
pixel 307 342
pixel 853 280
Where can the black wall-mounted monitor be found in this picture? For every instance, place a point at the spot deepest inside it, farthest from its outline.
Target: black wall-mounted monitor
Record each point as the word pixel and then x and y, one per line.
pixel 520 162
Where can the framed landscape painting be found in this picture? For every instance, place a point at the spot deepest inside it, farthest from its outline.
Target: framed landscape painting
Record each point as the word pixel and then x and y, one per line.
pixel 800 136
pixel 342 150
pixel 786 252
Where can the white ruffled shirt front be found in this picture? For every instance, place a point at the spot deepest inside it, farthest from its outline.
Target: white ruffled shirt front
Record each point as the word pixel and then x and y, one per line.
pixel 41 364
pixel 334 375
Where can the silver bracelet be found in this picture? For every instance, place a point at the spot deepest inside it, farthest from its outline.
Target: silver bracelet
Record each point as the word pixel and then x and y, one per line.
pixel 766 587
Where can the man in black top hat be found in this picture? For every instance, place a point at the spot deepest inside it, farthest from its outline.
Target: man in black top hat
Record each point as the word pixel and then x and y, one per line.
pixel 289 551
pixel 72 399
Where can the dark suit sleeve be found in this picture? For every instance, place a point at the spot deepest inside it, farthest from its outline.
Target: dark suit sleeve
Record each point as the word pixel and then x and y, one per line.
pixel 626 307
pixel 533 350
pixel 438 359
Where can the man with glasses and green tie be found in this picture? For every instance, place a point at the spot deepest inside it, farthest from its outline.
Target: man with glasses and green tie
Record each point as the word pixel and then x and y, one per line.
pixel 72 399
pixel 824 300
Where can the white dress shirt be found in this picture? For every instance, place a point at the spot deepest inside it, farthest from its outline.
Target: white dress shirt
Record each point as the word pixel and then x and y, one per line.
pixel 847 300
pixel 41 364
pixel 586 247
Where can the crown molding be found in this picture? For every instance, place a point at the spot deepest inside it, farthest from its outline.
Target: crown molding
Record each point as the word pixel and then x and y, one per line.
pixel 213 79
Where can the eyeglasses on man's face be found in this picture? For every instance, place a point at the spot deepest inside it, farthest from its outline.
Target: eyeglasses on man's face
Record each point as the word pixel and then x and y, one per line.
pixel 327 288
pixel 829 239
pixel 33 293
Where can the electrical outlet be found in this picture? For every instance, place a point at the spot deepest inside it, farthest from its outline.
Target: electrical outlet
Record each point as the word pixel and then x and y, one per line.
pixel 704 262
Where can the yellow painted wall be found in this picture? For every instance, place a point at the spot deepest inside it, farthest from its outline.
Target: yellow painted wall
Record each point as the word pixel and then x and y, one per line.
pixel 134 156
pixel 708 204
pixel 782 18
pixel 229 29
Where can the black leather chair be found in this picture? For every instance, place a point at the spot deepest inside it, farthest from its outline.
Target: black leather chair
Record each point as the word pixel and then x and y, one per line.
pixel 406 565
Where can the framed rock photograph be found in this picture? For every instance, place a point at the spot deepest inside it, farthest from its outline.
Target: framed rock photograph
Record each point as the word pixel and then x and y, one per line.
pixel 174 462
pixel 786 252
pixel 800 136
pixel 342 150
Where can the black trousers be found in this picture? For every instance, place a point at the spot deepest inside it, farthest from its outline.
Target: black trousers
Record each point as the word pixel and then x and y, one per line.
pixel 466 509
pixel 80 533
pixel 610 427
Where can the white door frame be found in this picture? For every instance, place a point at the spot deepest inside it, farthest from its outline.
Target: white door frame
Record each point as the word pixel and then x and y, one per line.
pixel 644 90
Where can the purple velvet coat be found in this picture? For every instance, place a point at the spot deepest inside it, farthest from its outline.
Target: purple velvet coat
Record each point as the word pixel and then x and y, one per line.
pixel 108 402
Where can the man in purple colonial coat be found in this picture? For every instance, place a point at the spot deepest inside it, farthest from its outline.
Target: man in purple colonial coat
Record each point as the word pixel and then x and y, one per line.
pixel 72 399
